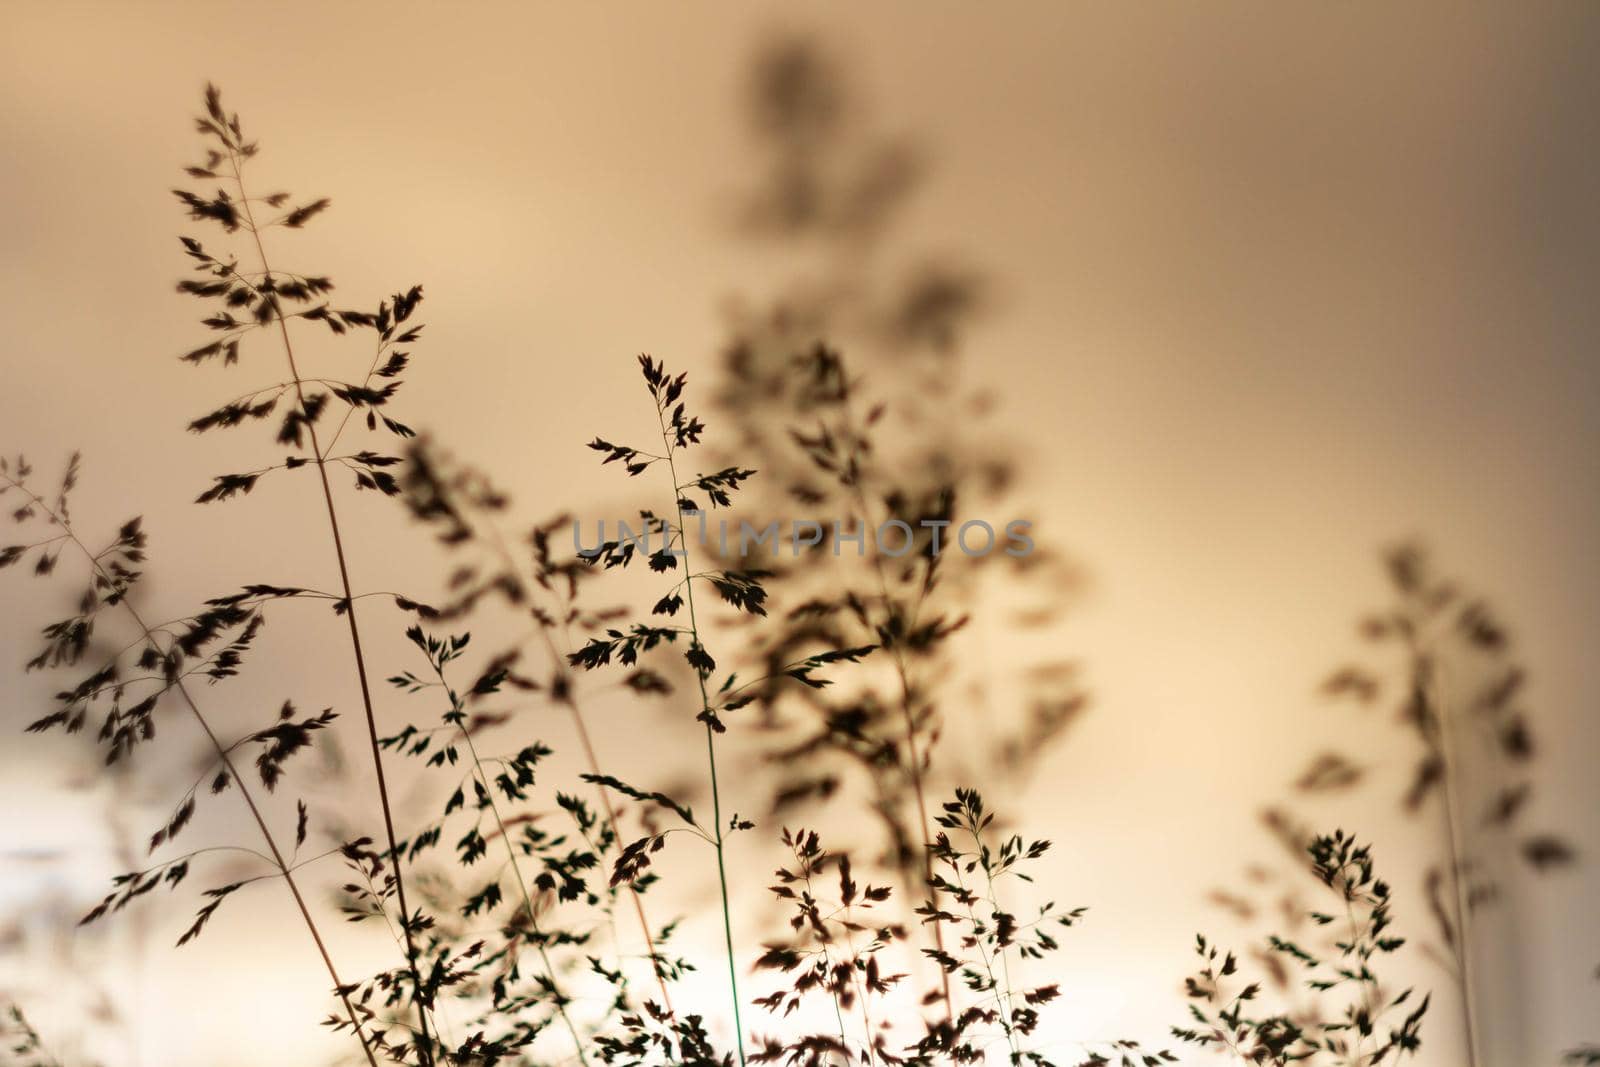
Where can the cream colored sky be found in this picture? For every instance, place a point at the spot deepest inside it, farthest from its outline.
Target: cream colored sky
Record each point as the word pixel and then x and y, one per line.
pixel 1276 284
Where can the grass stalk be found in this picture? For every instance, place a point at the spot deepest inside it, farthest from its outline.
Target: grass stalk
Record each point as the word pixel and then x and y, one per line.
pixel 425 1045
pixel 522 887
pixel 717 839
pixel 148 637
pixel 908 714
pixel 560 663
pixel 1454 822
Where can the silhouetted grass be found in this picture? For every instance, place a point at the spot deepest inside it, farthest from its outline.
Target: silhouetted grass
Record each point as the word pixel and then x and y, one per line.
pixel 502 901
pixel 1353 1019
pixel 1443 666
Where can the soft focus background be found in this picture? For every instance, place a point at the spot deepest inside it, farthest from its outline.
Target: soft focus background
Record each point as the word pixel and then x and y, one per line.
pixel 1269 286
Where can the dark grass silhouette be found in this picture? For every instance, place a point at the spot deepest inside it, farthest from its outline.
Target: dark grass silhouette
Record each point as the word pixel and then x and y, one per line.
pixel 1353 1018
pixel 155 668
pixel 503 903
pixel 465 510
pixel 854 453
pixel 247 301
pixel 1443 665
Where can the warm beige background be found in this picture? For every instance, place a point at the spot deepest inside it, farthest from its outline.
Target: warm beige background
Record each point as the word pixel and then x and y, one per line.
pixel 1277 283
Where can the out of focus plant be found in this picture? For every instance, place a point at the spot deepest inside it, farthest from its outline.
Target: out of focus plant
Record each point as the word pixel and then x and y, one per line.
pixel 1445 666
pixel 23 1041
pixel 1587 1053
pixel 894 433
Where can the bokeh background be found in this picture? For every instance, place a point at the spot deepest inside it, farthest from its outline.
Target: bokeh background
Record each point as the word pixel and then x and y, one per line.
pixel 1266 288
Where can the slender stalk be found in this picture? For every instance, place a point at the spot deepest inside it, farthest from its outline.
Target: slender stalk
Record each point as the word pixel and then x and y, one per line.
pixel 522 885
pixel 611 818
pixel 711 744
pixel 1356 932
pixel 559 663
pixel 988 966
pixel 861 991
pixel 1008 999
pixel 922 809
pixel 1455 835
pixel 827 957
pixel 425 1046
pixel 903 673
pixel 238 779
